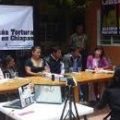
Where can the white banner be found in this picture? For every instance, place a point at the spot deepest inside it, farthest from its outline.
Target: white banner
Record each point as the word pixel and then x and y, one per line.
pixel 16 27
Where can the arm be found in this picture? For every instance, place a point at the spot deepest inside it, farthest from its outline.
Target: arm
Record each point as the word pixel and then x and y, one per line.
pixel 70 41
pixel 62 68
pixel 89 62
pixel 106 63
pixel 28 71
pixel 47 68
pixel 80 64
pixel 66 62
pixel 86 44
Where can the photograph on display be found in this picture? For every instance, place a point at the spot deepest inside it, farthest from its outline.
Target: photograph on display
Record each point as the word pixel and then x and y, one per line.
pixel 109 18
pixel 26 93
pixel 119 16
pixel 25 97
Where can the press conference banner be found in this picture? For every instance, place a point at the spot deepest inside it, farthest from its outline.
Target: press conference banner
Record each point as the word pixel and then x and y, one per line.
pixel 16 27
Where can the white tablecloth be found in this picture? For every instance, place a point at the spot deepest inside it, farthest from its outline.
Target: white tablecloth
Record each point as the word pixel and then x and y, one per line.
pixel 39 111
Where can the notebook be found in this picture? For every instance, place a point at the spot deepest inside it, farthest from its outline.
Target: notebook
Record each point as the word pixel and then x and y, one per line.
pixel 25 97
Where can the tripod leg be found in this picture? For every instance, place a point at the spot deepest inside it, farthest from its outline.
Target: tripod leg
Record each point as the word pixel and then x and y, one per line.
pixel 85 117
pixel 73 115
pixel 70 99
pixel 66 115
pixel 70 108
pixel 61 118
pixel 77 115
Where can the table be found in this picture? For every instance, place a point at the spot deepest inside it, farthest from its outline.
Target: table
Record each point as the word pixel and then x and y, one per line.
pixel 81 77
pixel 88 77
pixel 42 111
pixel 13 84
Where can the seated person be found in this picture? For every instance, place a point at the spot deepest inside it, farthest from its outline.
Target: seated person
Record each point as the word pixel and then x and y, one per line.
pixel 9 67
pixel 73 60
pixel 111 96
pixel 96 62
pixel 54 61
pixel 73 63
pixel 56 65
pixel 35 64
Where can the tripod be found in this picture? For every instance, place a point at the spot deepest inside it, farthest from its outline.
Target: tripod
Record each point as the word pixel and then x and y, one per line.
pixel 70 98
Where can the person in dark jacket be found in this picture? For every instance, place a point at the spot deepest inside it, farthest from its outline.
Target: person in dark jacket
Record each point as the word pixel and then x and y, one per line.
pixel 54 61
pixel 111 96
pixel 73 60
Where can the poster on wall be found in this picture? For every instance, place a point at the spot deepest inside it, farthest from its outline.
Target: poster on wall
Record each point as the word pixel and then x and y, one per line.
pixel 119 15
pixel 109 17
pixel 16 27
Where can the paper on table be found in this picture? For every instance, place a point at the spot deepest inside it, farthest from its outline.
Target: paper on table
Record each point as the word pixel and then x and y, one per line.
pixel 57 76
pixel 3 80
pixel 89 70
pixel 105 71
pixel 100 71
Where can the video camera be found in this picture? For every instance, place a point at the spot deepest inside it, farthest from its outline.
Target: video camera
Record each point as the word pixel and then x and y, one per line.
pixel 70 81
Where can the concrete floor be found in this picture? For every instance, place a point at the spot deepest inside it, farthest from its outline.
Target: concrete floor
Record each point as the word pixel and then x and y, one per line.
pixel 99 115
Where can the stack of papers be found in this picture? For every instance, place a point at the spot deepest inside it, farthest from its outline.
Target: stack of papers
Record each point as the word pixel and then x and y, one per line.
pixel 105 71
pixel 100 71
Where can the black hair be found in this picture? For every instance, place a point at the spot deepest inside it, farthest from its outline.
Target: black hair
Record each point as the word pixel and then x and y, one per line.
pixel 80 25
pixel 73 49
pixel 99 48
pixel 34 48
pixel 6 61
pixel 116 78
pixel 55 49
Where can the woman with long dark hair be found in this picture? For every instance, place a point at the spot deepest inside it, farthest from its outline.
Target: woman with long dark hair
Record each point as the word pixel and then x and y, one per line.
pixel 97 61
pixel 111 96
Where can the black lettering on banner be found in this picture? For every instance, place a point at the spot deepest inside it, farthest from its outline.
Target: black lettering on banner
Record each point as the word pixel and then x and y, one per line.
pixel 21 32
pixel 20 38
pixel 5 38
pixel 4 32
